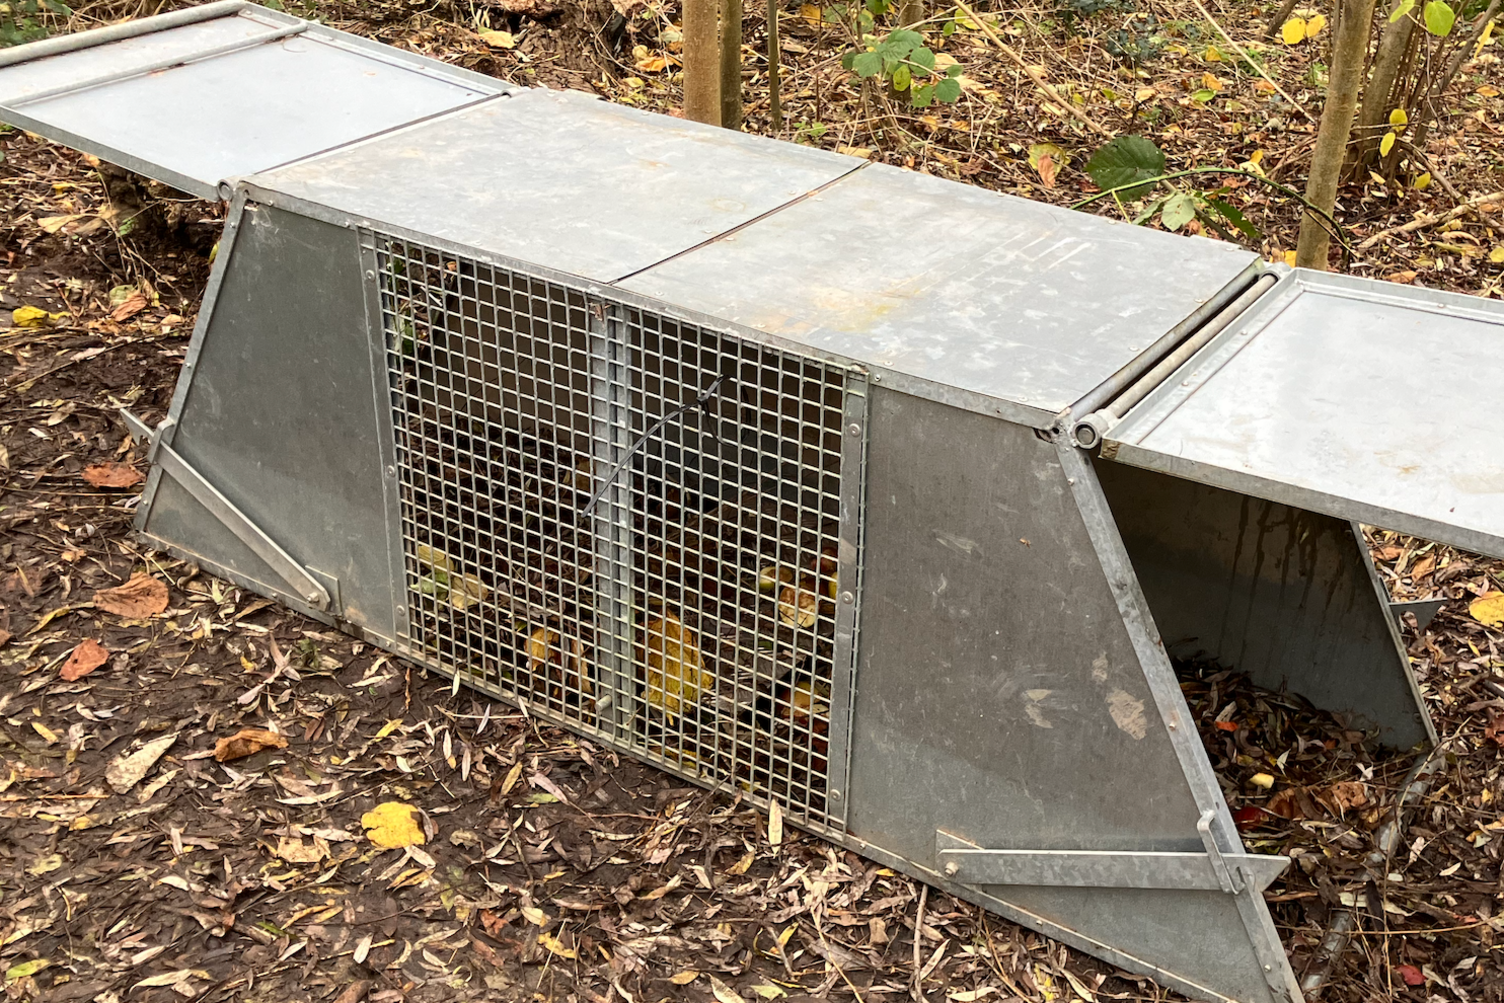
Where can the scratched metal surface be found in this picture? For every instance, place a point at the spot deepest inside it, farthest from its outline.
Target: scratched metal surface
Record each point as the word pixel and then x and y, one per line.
pixel 1346 396
pixel 559 179
pixel 953 284
pixel 127 55
pixel 200 122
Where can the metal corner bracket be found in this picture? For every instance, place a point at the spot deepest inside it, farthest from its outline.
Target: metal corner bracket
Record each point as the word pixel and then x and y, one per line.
pixel 299 578
pixel 1213 870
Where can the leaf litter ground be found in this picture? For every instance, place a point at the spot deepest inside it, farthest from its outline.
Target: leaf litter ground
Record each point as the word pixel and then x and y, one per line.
pixel 160 842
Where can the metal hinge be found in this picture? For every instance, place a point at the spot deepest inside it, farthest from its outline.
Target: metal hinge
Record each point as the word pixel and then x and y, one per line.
pixel 970 864
pixel 303 583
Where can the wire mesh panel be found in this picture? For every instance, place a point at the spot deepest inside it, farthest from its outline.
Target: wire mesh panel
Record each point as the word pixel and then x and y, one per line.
pixel 629 523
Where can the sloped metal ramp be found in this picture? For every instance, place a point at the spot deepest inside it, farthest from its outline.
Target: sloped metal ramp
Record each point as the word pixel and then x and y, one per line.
pixel 1345 396
pixel 197 96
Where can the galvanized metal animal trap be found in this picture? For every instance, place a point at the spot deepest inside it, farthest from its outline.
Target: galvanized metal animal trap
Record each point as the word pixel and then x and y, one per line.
pixel 640 423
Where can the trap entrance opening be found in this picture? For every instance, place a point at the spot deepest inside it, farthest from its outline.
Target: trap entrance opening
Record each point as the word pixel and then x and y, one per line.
pixel 626 522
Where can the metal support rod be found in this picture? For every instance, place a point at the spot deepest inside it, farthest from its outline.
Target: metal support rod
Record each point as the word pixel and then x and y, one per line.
pixel 1091 427
pixel 60 44
pixel 308 588
pixel 1125 376
pixel 160 64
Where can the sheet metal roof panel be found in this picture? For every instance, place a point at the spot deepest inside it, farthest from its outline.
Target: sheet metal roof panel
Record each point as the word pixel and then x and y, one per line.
pixel 128 55
pixel 197 123
pixel 1347 396
pixel 563 180
pixel 954 285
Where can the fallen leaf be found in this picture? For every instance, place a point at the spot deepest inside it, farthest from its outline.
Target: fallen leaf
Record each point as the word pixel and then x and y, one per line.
pixel 1411 975
pixel 393 825
pixel 972 995
pixel 174 979
pixel 775 824
pixel 1047 159
pixel 25 969
pixel 88 656
pixel 799 606
pixel 48 735
pixel 247 742
pixel 675 675
pixel 499 39
pixel 295 851
pixel 141 597
pixel 1348 794
pixel 684 978
pixel 1494 730
pixel 52 224
pixel 723 992
pixel 1285 805
pixel 1264 780
pixel 127 770
pixel 813 16
pixel 34 316
pixel 1488 610
pixel 112 475
pixel 1315 24
pixel 133 305
pixel 1294 31
pixel 556 947
pixel 534 915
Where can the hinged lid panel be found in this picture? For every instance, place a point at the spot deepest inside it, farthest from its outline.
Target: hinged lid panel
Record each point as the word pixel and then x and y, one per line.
pixel 1362 399
pixel 192 104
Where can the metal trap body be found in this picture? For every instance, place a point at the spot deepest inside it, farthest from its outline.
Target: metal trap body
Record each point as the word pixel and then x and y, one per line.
pixel 681 439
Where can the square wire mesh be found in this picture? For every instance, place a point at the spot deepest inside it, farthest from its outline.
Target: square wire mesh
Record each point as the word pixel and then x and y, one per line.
pixel 629 523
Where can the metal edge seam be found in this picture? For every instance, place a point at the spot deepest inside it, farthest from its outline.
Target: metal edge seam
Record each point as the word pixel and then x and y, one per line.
pixel 59 45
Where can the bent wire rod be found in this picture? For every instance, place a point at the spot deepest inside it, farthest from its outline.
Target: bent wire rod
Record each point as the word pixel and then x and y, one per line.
pixel 702 401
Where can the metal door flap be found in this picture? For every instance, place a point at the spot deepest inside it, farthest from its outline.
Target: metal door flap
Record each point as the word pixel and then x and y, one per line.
pixel 970 864
pixel 308 587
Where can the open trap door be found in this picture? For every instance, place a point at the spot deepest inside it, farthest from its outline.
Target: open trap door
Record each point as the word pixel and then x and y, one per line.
pixel 658 440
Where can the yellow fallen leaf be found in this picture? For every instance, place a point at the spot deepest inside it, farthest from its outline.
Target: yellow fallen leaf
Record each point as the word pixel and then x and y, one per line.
pixel 1387 143
pixel 1290 258
pixel 393 825
pixel 1423 181
pixel 1315 24
pixel 1496 255
pixel 433 559
pixel 1398 118
pixel 464 590
pixel 1212 54
pixel 48 735
pixel 813 15
pixel 389 727
pixel 684 978
pixel 1263 780
pixel 1211 83
pixel 499 39
pixel 769 991
pixel 1294 31
pixel 1489 609
pixel 556 946
pixel 34 316
pixel 534 915
pixel 675 675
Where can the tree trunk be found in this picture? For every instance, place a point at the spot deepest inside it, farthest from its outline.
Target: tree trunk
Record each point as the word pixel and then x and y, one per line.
pixel 1378 96
pixel 1349 47
pixel 775 99
pixel 702 64
pixel 731 64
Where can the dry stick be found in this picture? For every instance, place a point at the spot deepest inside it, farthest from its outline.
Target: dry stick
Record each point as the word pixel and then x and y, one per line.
pixel 1280 17
pixel 1249 60
pixel 1428 109
pixel 915 990
pixel 1421 222
pixel 1378 94
pixel 1348 50
pixel 1033 74
pixel 775 104
pixel 1488 220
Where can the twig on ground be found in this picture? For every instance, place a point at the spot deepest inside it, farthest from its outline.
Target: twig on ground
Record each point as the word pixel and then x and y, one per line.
pixel 1422 221
pixel 1259 69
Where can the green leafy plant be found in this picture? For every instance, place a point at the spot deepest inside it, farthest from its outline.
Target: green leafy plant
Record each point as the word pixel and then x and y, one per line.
pixel 1138 42
pixel 25 20
pixel 908 65
pixel 1132 167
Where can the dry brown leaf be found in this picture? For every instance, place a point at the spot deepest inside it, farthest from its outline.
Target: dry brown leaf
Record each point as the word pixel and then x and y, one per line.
pixel 1348 794
pixel 134 304
pixel 112 475
pixel 723 992
pixel 799 606
pixel 141 597
pixel 88 656
pixel 247 742
pixel 1494 730
pixel 672 654
pixel 127 770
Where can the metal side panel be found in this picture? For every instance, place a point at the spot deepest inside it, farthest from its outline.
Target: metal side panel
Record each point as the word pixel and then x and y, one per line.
pixel 1013 696
pixel 1288 596
pixel 1344 396
pixel 563 180
pixel 1027 305
pixel 278 415
pixel 194 103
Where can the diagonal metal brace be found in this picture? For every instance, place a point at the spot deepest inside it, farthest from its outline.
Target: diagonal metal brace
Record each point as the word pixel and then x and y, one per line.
pixel 294 574
pixel 970 864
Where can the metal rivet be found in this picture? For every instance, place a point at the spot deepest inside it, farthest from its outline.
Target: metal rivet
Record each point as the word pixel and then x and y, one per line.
pixel 847 598
pixel 854 428
pixel 370 273
pixel 835 795
pixel 877 379
pixel 952 869
pixel 391 471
